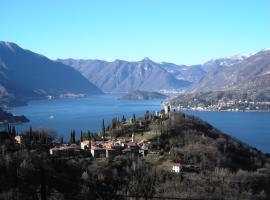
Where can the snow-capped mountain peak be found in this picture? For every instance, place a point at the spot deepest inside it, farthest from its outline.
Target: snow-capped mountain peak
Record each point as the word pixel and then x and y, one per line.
pixel 265 49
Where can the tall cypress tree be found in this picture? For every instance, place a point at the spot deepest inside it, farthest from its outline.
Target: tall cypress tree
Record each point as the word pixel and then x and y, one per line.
pixel 103 129
pixel 123 118
pixel 13 132
pixel 30 133
pixel 81 138
pixel 88 135
pixel 8 129
pixel 74 137
pixel 71 137
pixel 133 118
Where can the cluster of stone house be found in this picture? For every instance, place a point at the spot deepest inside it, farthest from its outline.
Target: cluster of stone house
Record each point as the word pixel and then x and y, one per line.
pixel 65 150
pixel 103 149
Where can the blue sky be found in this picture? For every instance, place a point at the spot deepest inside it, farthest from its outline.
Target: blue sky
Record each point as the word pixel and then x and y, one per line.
pixel 183 32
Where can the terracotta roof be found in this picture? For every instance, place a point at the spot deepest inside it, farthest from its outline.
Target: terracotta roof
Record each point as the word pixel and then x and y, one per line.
pixel 96 147
pixel 132 144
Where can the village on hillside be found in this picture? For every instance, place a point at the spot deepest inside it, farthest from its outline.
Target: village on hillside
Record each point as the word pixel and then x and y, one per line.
pixel 122 137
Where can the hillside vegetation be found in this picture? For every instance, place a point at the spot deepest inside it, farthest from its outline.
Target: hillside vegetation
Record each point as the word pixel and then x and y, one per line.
pixel 214 165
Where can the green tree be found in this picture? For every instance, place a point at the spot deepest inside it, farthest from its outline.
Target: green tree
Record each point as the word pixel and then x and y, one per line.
pixel 123 119
pixel 30 133
pixel 88 135
pixel 103 129
pixel 13 131
pixel 72 139
pixel 146 115
pixel 81 137
pixel 133 118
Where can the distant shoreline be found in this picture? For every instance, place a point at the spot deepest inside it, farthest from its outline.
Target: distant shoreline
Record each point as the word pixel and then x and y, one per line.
pixel 198 110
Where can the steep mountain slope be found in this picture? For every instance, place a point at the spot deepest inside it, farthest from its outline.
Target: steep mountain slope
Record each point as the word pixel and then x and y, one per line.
pixel 26 74
pixel 247 84
pixel 182 72
pixel 195 73
pixel 237 75
pixel 259 82
pixel 217 64
pixel 123 76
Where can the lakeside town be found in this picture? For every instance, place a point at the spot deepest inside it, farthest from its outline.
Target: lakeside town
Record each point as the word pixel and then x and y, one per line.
pixel 221 105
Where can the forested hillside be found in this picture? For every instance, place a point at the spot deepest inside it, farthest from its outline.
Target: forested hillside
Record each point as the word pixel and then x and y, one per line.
pixel 214 165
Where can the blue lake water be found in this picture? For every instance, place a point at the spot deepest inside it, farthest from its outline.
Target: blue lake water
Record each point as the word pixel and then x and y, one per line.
pixel 62 115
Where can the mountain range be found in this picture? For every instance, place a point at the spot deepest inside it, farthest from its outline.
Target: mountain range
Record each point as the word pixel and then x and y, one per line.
pixel 25 74
pixel 195 73
pixel 124 76
pixel 245 81
pixel 242 75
